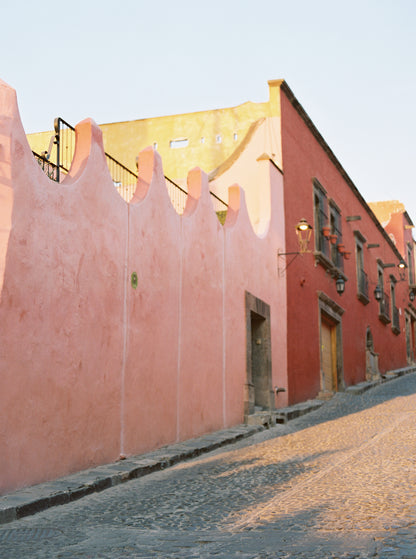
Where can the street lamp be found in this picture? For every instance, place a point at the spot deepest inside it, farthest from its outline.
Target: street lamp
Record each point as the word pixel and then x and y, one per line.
pixel 303 232
pixel 402 264
pixel 340 285
pixel 378 293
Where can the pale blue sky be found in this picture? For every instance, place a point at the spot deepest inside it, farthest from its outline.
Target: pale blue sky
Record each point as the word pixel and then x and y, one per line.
pixel 350 64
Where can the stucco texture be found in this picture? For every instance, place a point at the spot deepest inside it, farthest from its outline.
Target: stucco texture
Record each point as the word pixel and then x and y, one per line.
pixel 92 366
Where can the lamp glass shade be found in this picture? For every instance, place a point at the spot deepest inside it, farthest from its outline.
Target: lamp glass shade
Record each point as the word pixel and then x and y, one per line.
pixel 340 285
pixel 303 225
pixel 303 232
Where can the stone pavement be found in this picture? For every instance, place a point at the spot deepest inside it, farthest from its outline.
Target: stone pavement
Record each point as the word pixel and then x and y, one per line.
pixel 337 482
pixel 40 497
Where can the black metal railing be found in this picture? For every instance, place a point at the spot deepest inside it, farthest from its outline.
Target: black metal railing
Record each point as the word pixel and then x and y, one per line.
pixel 57 163
pixel 49 168
pixel 384 309
pixel 177 195
pixel 362 283
pixel 65 145
pixel 220 207
pixel 123 179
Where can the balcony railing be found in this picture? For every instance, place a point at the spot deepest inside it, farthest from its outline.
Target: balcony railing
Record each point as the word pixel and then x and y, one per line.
pixel 384 310
pixel 49 168
pixel 57 162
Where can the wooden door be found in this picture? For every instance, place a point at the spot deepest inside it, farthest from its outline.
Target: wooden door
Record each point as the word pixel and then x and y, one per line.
pixel 328 356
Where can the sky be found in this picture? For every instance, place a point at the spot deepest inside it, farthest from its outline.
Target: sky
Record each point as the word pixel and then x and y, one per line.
pixel 351 65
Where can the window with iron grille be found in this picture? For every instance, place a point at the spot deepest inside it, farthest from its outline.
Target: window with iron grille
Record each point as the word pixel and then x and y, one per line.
pixel 410 264
pixel 395 323
pixel 321 218
pixel 384 303
pixel 362 277
pixel 336 229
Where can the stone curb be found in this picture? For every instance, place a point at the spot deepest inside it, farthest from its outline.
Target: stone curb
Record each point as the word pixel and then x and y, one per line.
pixel 362 387
pixel 284 415
pixel 40 497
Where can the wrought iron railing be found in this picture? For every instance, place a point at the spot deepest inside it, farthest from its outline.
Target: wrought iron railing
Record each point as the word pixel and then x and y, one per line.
pixel 65 145
pixel 49 168
pixel 362 283
pixel 123 178
pixel 177 195
pixel 384 310
pixel 220 206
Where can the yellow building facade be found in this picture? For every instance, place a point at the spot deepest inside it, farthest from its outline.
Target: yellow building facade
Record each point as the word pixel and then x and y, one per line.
pixel 205 139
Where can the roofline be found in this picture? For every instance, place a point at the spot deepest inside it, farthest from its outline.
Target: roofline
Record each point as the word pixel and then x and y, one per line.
pixel 305 117
pixel 407 216
pixel 184 114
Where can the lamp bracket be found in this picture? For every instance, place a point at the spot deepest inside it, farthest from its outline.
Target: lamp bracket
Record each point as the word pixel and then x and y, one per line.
pixel 281 271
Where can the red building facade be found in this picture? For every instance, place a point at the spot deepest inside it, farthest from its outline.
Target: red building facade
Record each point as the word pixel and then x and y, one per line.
pixel 335 341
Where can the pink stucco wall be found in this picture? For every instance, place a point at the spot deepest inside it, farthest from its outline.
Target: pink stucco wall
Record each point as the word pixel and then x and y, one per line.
pixel 92 368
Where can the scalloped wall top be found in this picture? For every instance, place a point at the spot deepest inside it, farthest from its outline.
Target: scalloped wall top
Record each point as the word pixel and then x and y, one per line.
pixel 129 317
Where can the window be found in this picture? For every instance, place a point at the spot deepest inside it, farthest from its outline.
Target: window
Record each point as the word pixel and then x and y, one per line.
pixel 202 140
pixel 321 218
pixel 179 143
pixel 327 231
pixel 218 138
pixel 335 229
pixel 155 145
pixel 384 304
pixel 362 278
pixel 410 263
pixel 395 323
pixel 235 136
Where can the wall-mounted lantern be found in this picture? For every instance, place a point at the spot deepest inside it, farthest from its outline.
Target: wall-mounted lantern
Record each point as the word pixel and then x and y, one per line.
pixel 402 267
pixel 378 293
pixel 412 295
pixel 303 232
pixel 340 285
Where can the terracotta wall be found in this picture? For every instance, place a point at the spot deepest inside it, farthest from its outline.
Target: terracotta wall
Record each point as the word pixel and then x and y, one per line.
pixel 92 367
pixel 306 158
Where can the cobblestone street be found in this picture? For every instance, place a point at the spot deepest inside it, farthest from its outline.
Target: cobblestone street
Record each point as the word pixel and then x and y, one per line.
pixel 338 482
